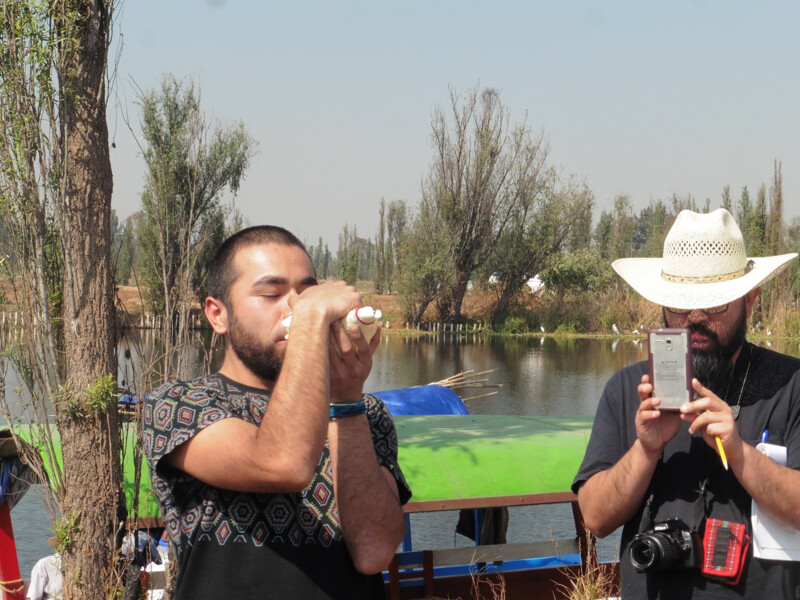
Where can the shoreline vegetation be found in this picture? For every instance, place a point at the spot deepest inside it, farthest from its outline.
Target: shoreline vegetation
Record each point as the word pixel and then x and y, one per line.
pixel 586 315
pixel 534 314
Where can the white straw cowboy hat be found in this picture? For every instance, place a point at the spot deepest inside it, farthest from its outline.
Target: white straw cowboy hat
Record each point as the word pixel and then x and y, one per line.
pixel 704 264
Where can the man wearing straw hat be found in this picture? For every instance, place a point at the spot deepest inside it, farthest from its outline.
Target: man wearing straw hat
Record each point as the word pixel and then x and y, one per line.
pixel 686 516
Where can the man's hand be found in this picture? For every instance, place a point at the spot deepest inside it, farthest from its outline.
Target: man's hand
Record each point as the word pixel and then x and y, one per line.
pixel 351 361
pixel 712 417
pixel 654 427
pixel 349 353
pixel 333 298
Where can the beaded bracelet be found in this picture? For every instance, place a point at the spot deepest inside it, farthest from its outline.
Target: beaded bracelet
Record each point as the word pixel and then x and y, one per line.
pixel 347 409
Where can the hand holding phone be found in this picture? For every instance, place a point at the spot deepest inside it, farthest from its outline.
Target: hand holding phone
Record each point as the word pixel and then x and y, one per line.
pixel 670 362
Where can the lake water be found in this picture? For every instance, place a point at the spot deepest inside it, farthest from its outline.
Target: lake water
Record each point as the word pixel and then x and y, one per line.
pixel 539 376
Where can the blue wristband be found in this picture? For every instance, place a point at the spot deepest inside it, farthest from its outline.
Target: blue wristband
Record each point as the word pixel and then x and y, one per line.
pixel 347 409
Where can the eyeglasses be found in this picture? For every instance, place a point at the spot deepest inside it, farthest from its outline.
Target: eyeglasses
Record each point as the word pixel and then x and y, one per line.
pixel 714 310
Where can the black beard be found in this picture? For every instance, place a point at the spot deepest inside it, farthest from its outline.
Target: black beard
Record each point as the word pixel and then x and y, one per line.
pixel 257 357
pixel 713 368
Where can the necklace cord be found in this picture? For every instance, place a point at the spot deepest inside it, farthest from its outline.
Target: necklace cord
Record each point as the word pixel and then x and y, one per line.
pixel 735 409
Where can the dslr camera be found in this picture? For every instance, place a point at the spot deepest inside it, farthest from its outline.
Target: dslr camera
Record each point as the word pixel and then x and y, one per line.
pixel 670 544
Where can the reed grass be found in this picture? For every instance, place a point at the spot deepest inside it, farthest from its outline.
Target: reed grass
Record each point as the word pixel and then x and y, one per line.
pixel 593 582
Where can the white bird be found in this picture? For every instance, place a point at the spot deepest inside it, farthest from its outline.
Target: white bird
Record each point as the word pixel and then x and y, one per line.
pixel 769 331
pixel 635 332
pixel 541 328
pixel 614 328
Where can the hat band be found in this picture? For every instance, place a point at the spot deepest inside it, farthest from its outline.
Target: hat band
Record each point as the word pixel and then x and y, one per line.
pixel 708 278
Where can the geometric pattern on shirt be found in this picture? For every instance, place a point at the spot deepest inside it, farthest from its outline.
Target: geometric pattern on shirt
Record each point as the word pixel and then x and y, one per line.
pixel 196 512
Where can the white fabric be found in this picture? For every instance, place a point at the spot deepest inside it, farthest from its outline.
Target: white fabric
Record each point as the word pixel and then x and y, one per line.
pixel 704 264
pixel 46 579
pixel 773 540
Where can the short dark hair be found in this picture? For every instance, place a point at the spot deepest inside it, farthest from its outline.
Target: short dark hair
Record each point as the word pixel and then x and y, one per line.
pixel 221 273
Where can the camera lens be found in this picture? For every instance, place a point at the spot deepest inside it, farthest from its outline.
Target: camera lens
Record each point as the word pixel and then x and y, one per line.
pixel 655 552
pixel 644 554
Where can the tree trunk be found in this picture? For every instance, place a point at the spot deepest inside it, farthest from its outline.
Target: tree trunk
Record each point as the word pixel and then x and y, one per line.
pixel 459 291
pixel 501 309
pixel 91 494
pixel 423 306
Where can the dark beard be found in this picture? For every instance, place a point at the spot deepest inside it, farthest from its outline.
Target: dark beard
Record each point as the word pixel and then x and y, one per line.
pixel 713 368
pixel 257 357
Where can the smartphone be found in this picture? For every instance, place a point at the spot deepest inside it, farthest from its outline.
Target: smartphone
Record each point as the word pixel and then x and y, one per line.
pixel 670 361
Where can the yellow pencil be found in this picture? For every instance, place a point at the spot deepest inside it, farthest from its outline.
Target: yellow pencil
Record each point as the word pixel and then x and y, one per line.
pixel 721 452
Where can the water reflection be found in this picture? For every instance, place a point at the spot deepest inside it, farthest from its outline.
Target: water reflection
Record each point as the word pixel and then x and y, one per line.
pixel 539 376
pixel 143 361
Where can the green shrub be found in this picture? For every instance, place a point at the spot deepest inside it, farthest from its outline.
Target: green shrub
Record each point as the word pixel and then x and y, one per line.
pixel 513 325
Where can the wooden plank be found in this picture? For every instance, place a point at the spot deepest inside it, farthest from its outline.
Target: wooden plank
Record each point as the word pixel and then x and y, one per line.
pixel 543 582
pixel 487 502
pixel 502 552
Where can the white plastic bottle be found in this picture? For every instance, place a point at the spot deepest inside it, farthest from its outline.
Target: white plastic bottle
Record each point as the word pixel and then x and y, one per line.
pixel 365 317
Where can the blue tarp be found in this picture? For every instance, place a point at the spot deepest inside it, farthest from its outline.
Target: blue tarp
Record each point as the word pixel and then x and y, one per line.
pixel 15 479
pixel 423 400
pixel 472 569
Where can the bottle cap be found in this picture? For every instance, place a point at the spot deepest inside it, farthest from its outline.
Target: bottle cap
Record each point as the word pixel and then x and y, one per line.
pixel 365 315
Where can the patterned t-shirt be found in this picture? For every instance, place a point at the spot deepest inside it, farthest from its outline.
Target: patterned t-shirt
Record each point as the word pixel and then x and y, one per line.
pixel 247 545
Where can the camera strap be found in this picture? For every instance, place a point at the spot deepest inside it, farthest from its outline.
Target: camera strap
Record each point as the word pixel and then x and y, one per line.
pixel 646 522
pixel 700 506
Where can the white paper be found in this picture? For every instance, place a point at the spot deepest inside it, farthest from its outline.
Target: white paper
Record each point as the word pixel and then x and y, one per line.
pixel 773 540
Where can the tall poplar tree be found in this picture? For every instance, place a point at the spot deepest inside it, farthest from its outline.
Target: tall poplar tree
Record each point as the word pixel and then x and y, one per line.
pixel 55 198
pixel 191 163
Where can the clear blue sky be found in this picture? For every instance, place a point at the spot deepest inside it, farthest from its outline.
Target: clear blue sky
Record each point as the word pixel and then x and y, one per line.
pixel 642 98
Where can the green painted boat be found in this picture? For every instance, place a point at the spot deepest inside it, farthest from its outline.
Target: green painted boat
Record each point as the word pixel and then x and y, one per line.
pixel 449 458
pixel 445 458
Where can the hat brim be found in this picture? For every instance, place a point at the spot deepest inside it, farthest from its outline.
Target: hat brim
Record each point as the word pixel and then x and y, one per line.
pixel 644 276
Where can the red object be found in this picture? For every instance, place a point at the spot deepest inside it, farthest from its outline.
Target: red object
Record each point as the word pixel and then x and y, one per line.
pixel 725 548
pixel 10 580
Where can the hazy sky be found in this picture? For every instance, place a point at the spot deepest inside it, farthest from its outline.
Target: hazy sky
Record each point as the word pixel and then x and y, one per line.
pixel 642 98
